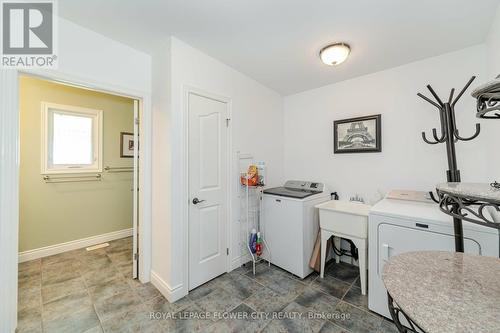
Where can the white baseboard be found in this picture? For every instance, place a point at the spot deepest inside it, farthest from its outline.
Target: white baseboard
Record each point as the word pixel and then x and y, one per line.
pixel 171 294
pixel 73 245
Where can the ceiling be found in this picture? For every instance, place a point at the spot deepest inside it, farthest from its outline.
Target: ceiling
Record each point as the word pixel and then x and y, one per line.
pixel 276 42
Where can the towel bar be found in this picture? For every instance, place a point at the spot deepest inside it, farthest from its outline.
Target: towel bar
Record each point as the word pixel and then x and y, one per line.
pixel 72 179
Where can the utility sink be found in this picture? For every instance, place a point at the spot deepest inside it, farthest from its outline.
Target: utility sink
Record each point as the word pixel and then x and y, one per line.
pixel 344 217
pixel 349 220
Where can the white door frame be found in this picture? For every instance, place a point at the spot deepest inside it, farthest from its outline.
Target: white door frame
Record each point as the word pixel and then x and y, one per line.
pixel 9 178
pixel 187 91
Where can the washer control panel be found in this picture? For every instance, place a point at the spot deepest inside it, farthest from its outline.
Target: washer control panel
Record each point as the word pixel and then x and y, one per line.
pixel 305 185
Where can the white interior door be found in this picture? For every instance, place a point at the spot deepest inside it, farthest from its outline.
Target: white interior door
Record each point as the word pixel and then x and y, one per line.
pixel 207 187
pixel 135 190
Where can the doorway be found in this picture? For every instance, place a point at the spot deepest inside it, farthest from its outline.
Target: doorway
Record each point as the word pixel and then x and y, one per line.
pixel 208 170
pixel 79 181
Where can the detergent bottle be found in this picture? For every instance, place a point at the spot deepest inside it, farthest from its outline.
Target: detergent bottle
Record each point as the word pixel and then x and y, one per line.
pixel 253 241
pixel 258 245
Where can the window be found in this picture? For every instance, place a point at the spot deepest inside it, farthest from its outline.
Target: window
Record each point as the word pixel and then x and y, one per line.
pixel 71 139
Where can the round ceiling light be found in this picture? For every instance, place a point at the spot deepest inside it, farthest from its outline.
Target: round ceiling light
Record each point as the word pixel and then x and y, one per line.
pixel 334 54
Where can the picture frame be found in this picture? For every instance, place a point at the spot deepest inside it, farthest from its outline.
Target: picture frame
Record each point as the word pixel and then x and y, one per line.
pixel 358 135
pixel 127 145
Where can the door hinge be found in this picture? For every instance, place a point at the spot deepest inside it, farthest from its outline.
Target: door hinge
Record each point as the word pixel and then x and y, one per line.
pixel 136 256
pixel 227 122
pixel 136 121
pixel 227 251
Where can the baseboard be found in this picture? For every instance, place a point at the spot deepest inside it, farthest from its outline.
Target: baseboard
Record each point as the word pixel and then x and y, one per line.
pixel 171 294
pixel 73 245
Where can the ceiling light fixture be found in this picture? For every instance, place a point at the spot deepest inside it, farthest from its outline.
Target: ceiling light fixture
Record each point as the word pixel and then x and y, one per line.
pixel 334 54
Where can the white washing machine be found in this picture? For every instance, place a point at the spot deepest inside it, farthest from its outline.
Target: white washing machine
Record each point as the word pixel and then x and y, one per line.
pixel 397 226
pixel 291 223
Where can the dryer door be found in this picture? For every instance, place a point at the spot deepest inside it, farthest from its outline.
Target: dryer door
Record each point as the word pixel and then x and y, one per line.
pixel 394 240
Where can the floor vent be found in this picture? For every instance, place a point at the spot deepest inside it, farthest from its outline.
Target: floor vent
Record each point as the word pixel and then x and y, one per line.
pixel 98 246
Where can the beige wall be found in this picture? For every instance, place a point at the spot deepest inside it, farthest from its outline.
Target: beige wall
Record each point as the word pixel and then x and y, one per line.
pixel 56 213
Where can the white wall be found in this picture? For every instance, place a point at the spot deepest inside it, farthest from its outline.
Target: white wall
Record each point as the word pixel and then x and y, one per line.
pixel 84 57
pixel 405 162
pixel 257 128
pixel 493 62
pixel 493 46
pixel 162 168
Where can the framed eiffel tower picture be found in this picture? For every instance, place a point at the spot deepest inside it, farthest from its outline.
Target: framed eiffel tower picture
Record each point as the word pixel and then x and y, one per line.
pixel 357 135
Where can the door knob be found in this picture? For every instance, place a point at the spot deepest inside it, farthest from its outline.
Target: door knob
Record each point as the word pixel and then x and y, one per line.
pixel 197 201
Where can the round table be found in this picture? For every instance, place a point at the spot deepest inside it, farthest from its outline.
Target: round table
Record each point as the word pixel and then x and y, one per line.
pixel 445 291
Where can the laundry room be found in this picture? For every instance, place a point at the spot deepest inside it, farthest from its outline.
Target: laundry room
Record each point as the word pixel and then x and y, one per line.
pixel 250 166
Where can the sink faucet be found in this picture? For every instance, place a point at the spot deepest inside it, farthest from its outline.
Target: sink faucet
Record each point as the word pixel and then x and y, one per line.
pixel 357 198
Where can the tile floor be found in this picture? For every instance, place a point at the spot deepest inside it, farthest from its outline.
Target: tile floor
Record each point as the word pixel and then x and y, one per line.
pixel 92 292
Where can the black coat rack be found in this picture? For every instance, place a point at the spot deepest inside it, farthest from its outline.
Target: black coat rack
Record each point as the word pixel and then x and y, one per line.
pixel 450 135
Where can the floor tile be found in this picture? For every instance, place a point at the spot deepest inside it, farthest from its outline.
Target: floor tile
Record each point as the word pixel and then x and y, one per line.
pixel 277 281
pixel 29 320
pixel 243 269
pixel 354 297
pixel 119 253
pixel 317 301
pixel 60 271
pixel 134 320
pixel 125 270
pixel 161 304
pixel 73 321
pixel 61 257
pixel 96 329
pixel 107 289
pixel 30 266
pixel 58 290
pixel 81 287
pixel 203 290
pixel 332 328
pixel 188 320
pixel 147 292
pixel 30 280
pixel 89 256
pixel 356 320
pixel 295 321
pixel 67 304
pixel 331 286
pixel 240 285
pixel 357 283
pixel 116 305
pixel 218 301
pixel 241 321
pixel 266 300
pixel 387 326
pixel 221 326
pixel 308 279
pixel 29 298
pixel 95 263
pixel 134 283
pixel 343 271
pixel 94 277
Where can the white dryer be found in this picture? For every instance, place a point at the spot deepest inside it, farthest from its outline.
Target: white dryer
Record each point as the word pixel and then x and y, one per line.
pixel 291 223
pixel 397 226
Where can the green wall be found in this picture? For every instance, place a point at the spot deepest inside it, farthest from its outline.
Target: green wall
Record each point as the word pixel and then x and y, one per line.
pixel 53 213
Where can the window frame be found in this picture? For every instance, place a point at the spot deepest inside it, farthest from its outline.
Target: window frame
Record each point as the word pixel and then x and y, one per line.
pixel 47 131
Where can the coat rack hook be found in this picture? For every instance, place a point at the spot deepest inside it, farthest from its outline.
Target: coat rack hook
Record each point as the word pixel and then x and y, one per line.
pixel 429 100
pixel 478 130
pixel 434 134
pixel 463 90
pixel 435 95
pixel 433 198
pixel 451 95
pixel 427 141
